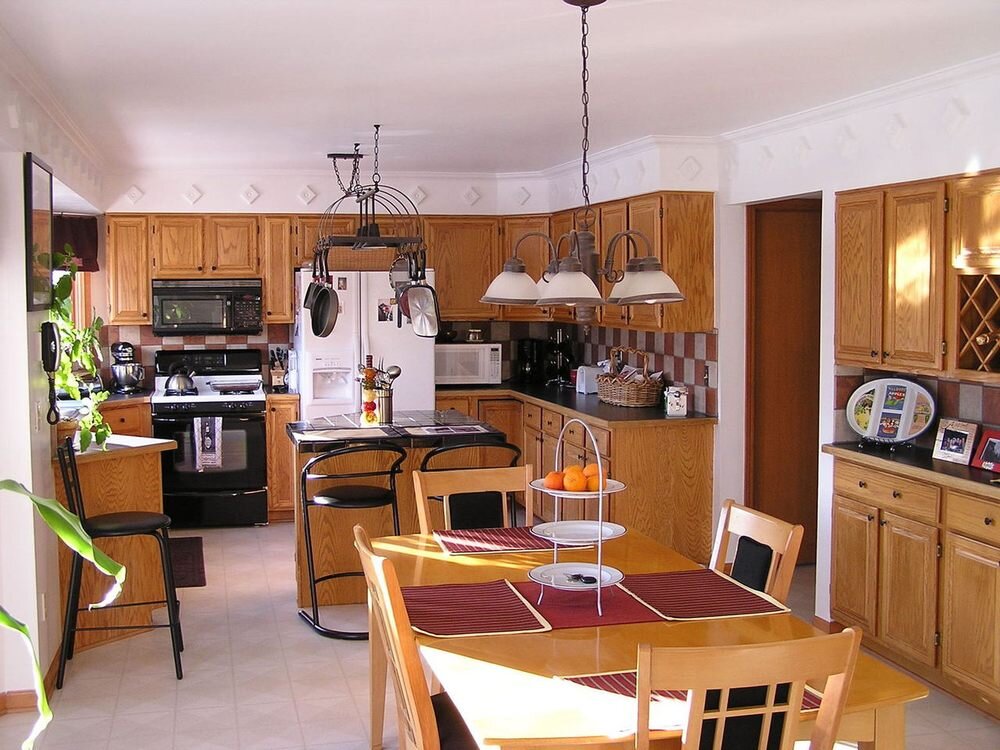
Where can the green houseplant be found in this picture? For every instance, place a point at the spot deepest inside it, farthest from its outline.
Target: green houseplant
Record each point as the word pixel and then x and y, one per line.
pixel 81 351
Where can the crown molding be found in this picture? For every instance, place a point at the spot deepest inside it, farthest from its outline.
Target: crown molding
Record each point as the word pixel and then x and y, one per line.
pixel 20 68
pixel 631 148
pixel 887 95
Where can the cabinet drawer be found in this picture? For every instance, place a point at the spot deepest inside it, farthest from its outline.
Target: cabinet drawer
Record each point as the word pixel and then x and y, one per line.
pixel 576 435
pixel 533 416
pixel 972 516
pixel 127 420
pixel 903 496
pixel 552 422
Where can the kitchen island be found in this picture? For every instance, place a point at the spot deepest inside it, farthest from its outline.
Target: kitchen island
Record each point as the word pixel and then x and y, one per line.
pixel 418 432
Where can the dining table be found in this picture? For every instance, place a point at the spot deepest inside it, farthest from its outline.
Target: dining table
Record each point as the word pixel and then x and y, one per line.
pixel 512 689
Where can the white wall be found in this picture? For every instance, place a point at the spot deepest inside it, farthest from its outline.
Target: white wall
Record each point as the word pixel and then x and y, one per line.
pixel 942 124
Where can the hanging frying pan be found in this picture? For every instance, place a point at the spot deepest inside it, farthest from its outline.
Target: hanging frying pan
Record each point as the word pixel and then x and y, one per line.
pixel 314 286
pixel 418 300
pixel 326 305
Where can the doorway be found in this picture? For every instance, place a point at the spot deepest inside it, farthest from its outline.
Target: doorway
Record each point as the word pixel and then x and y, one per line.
pixel 783 309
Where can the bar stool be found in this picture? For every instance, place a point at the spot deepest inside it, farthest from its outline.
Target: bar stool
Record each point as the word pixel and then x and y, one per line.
pixel 127 523
pixel 387 460
pixel 475 510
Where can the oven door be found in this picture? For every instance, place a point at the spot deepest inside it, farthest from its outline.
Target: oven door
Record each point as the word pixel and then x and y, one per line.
pixel 184 311
pixel 232 493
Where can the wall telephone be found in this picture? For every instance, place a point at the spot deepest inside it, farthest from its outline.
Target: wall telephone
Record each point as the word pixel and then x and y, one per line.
pixel 51 354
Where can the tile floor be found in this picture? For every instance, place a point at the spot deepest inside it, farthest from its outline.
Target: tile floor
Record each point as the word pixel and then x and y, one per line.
pixel 257 678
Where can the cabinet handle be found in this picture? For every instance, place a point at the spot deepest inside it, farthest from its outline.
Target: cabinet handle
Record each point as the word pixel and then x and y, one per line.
pixel 214 268
pixel 874 353
pixel 897 494
pixel 871 517
pixel 145 315
pixel 862 483
pixel 272 409
pixel 268 312
pixel 988 521
pixel 200 268
pixel 885 355
pixel 883 522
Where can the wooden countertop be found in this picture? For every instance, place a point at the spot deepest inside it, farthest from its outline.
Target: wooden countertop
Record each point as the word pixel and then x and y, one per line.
pixel 124 446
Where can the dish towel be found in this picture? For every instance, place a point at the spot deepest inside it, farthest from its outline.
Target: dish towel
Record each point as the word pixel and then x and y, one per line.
pixel 207 443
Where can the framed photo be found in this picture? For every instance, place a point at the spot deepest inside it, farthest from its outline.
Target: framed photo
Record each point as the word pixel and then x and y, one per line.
pixel 38 232
pixel 988 453
pixel 955 441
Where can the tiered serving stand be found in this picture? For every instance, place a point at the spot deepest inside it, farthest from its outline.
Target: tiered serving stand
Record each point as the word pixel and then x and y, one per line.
pixel 577 576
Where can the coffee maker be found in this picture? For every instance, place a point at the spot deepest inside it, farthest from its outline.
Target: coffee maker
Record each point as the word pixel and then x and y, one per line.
pixel 126 373
pixel 531 356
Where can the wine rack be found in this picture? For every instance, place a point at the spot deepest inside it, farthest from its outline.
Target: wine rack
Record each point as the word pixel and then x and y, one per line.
pixel 979 322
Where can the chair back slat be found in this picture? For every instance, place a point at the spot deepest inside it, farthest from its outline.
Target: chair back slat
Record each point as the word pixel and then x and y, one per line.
pixel 427 484
pixel 386 461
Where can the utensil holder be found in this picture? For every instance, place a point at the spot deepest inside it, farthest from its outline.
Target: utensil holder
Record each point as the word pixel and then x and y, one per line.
pixel 383 400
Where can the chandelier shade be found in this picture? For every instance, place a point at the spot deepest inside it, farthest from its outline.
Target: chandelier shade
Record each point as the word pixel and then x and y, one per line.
pixel 513 286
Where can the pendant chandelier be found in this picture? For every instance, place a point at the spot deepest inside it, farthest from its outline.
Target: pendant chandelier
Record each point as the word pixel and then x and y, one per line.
pixel 572 279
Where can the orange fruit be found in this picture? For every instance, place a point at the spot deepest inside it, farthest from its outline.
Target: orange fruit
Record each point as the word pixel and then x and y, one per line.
pixel 595 483
pixel 574 469
pixel 574 481
pixel 554 480
pixel 591 470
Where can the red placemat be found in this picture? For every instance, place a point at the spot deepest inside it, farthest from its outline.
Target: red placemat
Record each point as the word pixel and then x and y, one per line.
pixel 624 683
pixel 453 610
pixel 578 609
pixel 702 594
pixel 486 541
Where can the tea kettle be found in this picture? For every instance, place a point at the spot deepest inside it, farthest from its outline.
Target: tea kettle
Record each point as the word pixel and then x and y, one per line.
pixel 180 378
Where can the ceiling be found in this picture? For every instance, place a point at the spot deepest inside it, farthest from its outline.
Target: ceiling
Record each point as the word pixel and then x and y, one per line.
pixel 461 86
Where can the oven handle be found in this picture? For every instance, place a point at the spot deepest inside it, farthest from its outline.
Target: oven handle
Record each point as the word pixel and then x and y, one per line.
pixel 248 418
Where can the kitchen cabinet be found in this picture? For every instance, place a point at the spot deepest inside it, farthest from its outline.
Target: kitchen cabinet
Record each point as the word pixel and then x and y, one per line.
pixel 974 222
pixel 129 294
pixel 128 417
pixel 463 252
pixel 461 404
pixel 178 246
pixel 535 254
pixel 505 414
pixel 277 264
pixel 890 277
pixel 559 224
pixel 613 218
pixel 307 232
pixel 645 214
pixel 854 573
pixel 282 461
pixel 688 255
pixel 231 246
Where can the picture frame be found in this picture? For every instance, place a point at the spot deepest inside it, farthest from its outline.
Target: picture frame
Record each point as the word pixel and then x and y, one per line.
pixel 38 232
pixel 890 410
pixel 955 441
pixel 987 454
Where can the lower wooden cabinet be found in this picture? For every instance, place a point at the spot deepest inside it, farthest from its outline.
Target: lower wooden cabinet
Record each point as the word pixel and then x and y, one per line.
pixel 128 417
pixel 854 563
pixel 282 460
pixel 461 404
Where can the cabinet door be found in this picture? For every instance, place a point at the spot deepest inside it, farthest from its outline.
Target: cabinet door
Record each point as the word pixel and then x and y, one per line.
pixel 559 224
pixel 232 246
pixel 462 404
pixel 970 612
pixel 913 313
pixel 907 597
pixel 281 457
pixel 613 219
pixel 689 259
pixel 855 563
pixel 535 254
pixel 463 253
pixel 858 327
pixel 505 415
pixel 974 222
pixel 545 507
pixel 128 270
pixel 574 510
pixel 277 262
pixel 307 232
pixel 532 446
pixel 178 250
pixel 644 215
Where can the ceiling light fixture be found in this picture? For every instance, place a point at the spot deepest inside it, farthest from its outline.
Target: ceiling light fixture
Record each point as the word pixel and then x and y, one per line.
pixel 572 280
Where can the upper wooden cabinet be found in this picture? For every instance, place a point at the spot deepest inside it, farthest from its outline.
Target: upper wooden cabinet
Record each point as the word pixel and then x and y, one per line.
pixel 974 220
pixel 559 224
pixel 178 246
pixel 231 245
pixel 463 253
pixel 612 219
pixel 890 277
pixel 644 215
pixel 128 269
pixel 277 264
pixel 688 236
pixel 535 254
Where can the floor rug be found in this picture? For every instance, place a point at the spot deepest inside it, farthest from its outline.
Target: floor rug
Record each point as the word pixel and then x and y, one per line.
pixel 187 559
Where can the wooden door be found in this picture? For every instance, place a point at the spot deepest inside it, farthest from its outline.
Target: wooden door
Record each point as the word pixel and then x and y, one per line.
pixel 783 295
pixel 688 229
pixel 232 246
pixel 970 612
pixel 613 219
pixel 178 249
pixel 858 321
pixel 128 270
pixel 506 415
pixel 913 313
pixel 559 224
pixel 531 442
pixel 974 222
pixel 535 254
pixel 907 596
pixel 463 253
pixel 645 214
pixel 281 457
pixel 277 264
pixel 854 572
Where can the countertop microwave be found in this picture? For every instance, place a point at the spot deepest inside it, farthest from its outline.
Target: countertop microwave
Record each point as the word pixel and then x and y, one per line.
pixel 207 307
pixel 467 364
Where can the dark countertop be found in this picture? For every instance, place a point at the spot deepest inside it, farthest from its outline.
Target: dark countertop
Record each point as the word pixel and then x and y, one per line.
pixel 410 429
pixel 134 396
pixel 585 403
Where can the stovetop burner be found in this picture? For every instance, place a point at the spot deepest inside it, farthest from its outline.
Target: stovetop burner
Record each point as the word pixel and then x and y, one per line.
pixel 181 392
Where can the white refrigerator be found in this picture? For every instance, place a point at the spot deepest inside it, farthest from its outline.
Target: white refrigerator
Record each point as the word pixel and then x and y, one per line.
pixel 327 368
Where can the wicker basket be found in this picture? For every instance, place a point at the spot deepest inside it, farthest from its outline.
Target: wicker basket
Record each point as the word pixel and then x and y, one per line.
pixel 611 389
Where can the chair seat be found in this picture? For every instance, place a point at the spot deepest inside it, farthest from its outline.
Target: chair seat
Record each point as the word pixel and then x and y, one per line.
pixel 452 730
pixel 353 496
pixel 126 523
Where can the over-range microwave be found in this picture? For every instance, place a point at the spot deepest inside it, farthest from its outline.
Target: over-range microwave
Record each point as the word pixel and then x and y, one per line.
pixel 206 307
pixel 467 364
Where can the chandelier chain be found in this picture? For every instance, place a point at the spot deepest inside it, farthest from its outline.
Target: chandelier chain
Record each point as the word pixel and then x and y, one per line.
pixel 585 98
pixel 376 177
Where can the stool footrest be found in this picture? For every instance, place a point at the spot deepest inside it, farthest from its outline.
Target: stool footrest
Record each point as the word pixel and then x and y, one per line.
pixel 343 635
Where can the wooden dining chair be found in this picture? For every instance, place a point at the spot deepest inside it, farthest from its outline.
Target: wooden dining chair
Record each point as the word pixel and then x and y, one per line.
pixel 766 551
pixel 426 722
pixel 444 484
pixel 750 696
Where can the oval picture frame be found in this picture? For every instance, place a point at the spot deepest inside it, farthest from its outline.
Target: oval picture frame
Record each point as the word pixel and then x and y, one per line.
pixel 890 410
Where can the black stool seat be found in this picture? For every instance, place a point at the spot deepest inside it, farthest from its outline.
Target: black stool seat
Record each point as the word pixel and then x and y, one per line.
pixel 354 496
pixel 127 523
